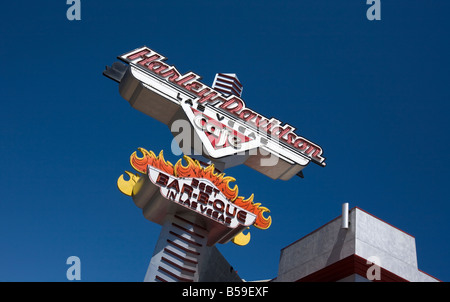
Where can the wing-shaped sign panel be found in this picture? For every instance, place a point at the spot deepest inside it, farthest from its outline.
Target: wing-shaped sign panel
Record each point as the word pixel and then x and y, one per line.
pixel 206 122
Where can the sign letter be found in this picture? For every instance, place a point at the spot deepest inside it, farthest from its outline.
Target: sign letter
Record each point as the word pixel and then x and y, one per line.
pixel 74 12
pixel 374 272
pixel 374 12
pixel 73 272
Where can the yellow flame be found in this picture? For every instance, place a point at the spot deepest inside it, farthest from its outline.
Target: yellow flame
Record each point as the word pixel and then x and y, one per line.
pixel 126 186
pixel 241 238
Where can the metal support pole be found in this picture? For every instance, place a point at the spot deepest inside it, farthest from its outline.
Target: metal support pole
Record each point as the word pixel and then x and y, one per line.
pixel 178 252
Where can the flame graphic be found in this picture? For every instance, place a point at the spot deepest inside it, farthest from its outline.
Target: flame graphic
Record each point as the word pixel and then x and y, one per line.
pixel 140 163
pixel 194 169
pixel 247 204
pixel 126 186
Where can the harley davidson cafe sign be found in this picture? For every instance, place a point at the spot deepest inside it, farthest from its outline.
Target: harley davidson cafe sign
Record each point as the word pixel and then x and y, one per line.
pixel 224 124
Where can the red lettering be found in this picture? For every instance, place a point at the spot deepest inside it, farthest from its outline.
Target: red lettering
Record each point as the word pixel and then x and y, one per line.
pixel 300 144
pixel 247 115
pixel 203 208
pixel 228 210
pixel 207 97
pixel 265 124
pixel 221 218
pixel 194 183
pixel 195 86
pixel 241 216
pixel 185 79
pixel 172 72
pixel 318 153
pixel 187 202
pixel 174 185
pixel 203 198
pixel 172 195
pixel 228 105
pixel 311 149
pixel 157 66
pixel 234 105
pixel 291 138
pixel 162 179
pixel 280 132
pixel 219 205
pixel 187 189
pixel 260 123
pixel 208 189
pixel 138 54
pixel 147 60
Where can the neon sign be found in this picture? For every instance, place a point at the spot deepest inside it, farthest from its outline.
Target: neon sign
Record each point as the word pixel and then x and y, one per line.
pixel 226 127
pixel 166 188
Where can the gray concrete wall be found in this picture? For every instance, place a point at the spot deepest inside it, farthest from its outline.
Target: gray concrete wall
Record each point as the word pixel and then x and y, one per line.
pixel 317 250
pixel 215 268
pixel 367 237
pixel 394 249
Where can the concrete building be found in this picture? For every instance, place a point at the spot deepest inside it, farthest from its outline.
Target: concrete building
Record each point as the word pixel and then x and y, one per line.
pixel 366 249
pixel 216 268
pixel 357 247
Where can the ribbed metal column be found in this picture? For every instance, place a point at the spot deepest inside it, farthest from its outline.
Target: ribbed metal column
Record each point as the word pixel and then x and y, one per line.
pixel 178 252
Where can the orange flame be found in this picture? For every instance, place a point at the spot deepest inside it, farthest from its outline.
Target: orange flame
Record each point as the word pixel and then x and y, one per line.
pixel 194 169
pixel 247 204
pixel 149 158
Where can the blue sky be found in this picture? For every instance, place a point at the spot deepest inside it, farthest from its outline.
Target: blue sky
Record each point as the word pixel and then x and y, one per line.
pixel 373 94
